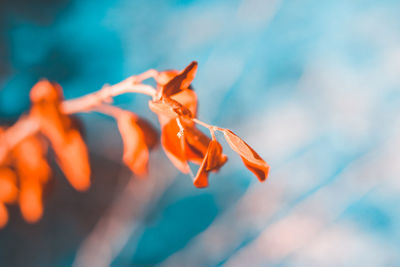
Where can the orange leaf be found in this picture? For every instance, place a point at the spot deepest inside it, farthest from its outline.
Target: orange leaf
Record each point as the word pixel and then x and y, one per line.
pixel 55 125
pixel 192 154
pixel 8 186
pixel 196 143
pixel 180 81
pixel 30 201
pixel 169 109
pixel 250 158
pixel 174 146
pixel 30 161
pixel 164 77
pixel 3 215
pixel 4 155
pixel 215 157
pixel 163 110
pixel 151 135
pixel 188 99
pixel 52 122
pixel 46 91
pixel 73 159
pixel 212 160
pixel 201 179
pixel 67 143
pixel 136 153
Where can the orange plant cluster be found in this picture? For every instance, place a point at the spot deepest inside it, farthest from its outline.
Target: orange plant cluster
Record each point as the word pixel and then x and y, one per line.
pixel 24 169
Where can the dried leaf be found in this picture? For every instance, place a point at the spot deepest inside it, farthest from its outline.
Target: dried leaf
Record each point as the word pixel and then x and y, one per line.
pixel 180 81
pixel 29 159
pixel 201 179
pixel 188 99
pixel 192 154
pixel 52 122
pixel 33 171
pixel 151 135
pixel 73 159
pixel 3 215
pixel 30 200
pixel 173 146
pixel 250 158
pixel 169 108
pixel 213 160
pixel 136 153
pixel 164 77
pixel 178 108
pixel 163 110
pixel 186 143
pixel 46 91
pixel 4 155
pixel 67 143
pixel 196 143
pixel 8 186
pixel 55 125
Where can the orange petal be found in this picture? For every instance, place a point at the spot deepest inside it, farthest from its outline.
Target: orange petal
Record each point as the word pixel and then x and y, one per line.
pixel 136 153
pixel 3 215
pixel 30 201
pixel 250 158
pixel 73 159
pixel 180 81
pixel 8 186
pixel 174 146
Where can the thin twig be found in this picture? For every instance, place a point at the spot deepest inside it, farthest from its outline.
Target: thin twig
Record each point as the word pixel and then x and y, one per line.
pixel 112 111
pixel 105 95
pixel 27 125
pixel 212 128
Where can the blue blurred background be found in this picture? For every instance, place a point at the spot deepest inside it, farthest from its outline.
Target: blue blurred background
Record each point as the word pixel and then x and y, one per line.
pixel 313 86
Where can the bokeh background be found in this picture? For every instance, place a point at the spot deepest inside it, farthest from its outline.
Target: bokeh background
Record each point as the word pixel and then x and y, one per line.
pixel 313 86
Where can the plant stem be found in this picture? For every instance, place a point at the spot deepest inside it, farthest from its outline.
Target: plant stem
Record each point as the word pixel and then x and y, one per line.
pixel 27 125
pixel 105 95
pixel 212 128
pixel 112 111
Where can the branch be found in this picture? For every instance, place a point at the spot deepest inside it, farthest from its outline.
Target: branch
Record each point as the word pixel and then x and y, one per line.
pixel 105 95
pixel 26 125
